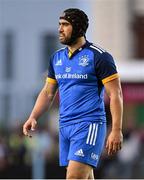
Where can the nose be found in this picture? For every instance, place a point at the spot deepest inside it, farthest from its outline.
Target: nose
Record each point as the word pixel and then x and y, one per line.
pixel 60 29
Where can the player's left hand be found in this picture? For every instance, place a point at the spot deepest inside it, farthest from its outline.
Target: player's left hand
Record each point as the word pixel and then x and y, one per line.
pixel 114 142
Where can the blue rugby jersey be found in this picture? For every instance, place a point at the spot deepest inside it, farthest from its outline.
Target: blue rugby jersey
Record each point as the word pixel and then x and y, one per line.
pixel 81 79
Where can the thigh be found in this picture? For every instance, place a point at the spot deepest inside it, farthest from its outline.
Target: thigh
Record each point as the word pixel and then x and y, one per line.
pixel 77 170
pixel 86 143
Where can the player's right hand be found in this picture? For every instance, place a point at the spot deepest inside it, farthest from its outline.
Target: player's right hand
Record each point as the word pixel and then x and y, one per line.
pixel 29 125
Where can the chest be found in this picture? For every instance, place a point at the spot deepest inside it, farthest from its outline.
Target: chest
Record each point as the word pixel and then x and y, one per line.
pixel 80 68
pixel 78 64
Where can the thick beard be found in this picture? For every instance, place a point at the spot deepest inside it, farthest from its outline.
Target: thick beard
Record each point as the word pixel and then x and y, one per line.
pixel 71 41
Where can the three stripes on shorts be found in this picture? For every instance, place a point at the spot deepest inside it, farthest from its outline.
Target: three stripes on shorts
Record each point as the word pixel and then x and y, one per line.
pixel 92 134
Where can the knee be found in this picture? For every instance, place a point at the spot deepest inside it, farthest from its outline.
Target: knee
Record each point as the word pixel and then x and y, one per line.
pixel 77 170
pixel 72 175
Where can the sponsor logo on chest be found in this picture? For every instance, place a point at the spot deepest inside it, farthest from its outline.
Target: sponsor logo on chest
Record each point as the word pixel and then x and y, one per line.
pixel 72 71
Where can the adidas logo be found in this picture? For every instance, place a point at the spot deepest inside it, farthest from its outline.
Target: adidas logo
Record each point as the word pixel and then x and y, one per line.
pixel 79 153
pixel 59 62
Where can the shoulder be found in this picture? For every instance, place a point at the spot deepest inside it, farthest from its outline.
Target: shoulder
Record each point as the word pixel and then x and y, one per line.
pixel 100 53
pixel 61 50
pixel 55 58
pixel 96 48
pixel 57 53
pixel 106 56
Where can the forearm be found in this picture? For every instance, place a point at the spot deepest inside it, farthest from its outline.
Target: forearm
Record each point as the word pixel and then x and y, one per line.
pixel 116 108
pixel 42 104
pixel 115 138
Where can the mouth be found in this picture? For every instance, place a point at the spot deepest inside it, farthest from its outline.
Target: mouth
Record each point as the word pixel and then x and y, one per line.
pixel 61 35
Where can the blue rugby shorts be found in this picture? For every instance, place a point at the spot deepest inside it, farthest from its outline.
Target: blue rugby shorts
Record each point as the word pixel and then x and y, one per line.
pixel 82 142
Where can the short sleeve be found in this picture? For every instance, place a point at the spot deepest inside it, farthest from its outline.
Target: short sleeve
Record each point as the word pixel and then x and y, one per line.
pixel 51 73
pixel 105 68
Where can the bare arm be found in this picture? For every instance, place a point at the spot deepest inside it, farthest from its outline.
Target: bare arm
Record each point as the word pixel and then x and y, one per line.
pixel 115 138
pixel 42 104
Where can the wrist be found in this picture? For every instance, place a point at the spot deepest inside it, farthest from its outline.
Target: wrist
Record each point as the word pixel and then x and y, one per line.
pixel 32 116
pixel 116 129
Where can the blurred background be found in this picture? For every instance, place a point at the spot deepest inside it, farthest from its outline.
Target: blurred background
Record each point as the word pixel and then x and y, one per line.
pixel 28 35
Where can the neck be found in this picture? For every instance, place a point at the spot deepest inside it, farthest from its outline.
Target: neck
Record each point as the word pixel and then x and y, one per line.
pixel 80 42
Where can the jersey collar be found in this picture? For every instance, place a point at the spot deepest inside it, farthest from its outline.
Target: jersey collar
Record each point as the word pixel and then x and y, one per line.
pixel 78 50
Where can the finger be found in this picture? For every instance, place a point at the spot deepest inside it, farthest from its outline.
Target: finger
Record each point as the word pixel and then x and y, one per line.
pixel 110 148
pixel 119 146
pixel 29 135
pixel 25 131
pixel 107 144
pixel 33 125
pixel 115 147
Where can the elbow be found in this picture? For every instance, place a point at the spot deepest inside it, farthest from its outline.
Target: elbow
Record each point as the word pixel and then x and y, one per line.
pixel 117 95
pixel 50 97
pixel 120 94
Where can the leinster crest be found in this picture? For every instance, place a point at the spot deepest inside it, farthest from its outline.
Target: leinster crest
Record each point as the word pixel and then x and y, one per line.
pixel 84 60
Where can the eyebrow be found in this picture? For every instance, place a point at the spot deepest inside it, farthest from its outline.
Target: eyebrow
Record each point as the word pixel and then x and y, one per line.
pixel 64 23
